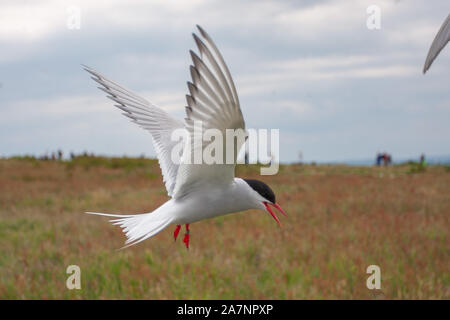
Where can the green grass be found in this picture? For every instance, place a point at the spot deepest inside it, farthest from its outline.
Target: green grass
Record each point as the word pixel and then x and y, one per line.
pixel 341 220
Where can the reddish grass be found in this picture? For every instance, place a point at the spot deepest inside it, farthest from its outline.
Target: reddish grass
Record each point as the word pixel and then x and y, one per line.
pixel 341 220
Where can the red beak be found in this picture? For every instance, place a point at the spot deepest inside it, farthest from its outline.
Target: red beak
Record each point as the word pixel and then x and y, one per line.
pixel 266 204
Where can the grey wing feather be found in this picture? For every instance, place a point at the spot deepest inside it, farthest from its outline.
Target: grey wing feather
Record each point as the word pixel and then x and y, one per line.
pixel 151 118
pixel 439 42
pixel 213 100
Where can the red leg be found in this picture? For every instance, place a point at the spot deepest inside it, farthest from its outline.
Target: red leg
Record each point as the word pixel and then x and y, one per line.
pixel 177 230
pixel 186 236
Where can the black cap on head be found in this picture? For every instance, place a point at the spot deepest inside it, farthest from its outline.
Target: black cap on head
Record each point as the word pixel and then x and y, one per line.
pixel 262 188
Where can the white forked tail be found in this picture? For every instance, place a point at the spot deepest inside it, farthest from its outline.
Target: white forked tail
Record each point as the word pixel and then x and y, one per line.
pixel 139 227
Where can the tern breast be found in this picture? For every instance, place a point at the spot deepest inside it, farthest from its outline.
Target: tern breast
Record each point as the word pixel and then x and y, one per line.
pixel 211 201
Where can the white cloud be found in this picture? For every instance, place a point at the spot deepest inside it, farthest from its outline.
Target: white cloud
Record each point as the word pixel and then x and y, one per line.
pixel 310 68
pixel 30 21
pixel 23 21
pixel 282 75
pixel 57 106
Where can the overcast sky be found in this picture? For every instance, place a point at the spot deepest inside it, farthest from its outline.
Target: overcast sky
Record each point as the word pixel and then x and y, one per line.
pixel 334 88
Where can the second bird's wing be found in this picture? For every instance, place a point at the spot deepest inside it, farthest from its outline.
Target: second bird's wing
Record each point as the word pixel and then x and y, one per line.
pixel 213 102
pixel 439 42
pixel 150 117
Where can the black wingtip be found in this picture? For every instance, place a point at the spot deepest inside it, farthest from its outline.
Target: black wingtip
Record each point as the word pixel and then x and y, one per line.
pixel 88 69
pixel 195 75
pixel 197 40
pixel 201 30
pixel 95 74
pixel 192 88
pixel 195 58
pixel 190 100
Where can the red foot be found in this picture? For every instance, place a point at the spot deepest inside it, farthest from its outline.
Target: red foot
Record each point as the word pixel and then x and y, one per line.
pixel 186 237
pixel 176 232
pixel 186 240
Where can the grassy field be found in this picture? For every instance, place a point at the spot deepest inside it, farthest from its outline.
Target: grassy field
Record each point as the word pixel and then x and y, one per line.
pixel 341 220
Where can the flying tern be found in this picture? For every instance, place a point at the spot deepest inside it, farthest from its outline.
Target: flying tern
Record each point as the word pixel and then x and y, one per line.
pixel 197 191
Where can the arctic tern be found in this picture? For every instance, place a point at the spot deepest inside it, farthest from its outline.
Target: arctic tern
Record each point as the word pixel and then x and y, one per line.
pixel 197 191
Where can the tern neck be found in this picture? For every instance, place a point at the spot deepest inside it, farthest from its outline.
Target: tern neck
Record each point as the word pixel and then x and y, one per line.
pixel 246 194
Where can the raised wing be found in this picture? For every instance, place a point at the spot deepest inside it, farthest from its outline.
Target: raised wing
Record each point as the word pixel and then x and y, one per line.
pixel 439 42
pixel 213 102
pixel 150 117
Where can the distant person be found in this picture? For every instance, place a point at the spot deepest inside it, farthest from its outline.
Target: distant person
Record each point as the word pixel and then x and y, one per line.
pixel 60 154
pixel 386 159
pixel 379 159
pixel 422 160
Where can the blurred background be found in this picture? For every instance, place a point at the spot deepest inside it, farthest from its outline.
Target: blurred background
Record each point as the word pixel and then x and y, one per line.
pixel 337 90
pixel 364 149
